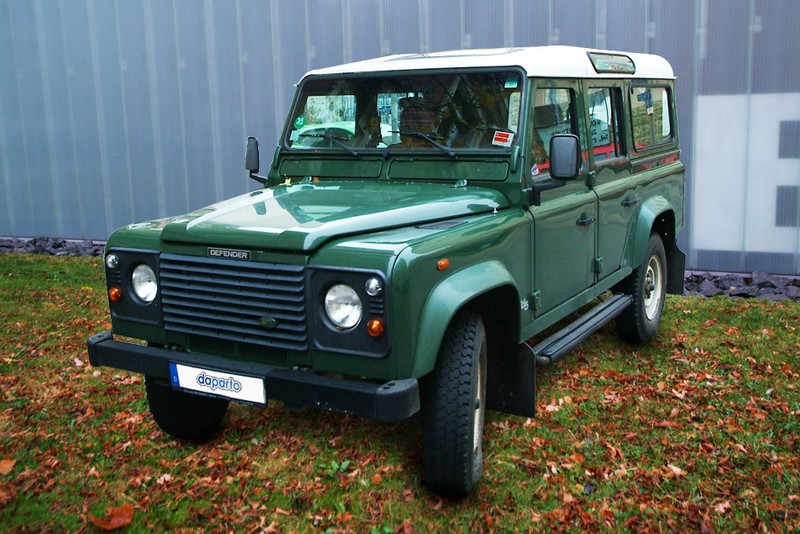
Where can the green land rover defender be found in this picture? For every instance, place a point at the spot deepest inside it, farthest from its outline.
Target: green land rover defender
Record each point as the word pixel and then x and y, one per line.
pixel 423 218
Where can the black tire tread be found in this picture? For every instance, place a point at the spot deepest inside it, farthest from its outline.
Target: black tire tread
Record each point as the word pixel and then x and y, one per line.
pixel 451 469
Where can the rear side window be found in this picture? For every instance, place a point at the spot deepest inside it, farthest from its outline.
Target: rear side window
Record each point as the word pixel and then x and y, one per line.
pixel 650 118
pixel 604 120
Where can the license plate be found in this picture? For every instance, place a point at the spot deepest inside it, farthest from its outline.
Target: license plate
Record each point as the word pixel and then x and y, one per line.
pixel 232 386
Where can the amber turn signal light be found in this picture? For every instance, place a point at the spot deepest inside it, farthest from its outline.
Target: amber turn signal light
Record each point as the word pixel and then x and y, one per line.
pixel 375 327
pixel 115 294
pixel 443 264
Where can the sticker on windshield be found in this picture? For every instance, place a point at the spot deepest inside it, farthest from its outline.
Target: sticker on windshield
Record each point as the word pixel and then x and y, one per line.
pixel 502 139
pixel 299 122
pixel 294 136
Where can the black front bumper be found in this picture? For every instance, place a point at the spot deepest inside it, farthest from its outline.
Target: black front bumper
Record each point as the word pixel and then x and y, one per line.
pixel 391 401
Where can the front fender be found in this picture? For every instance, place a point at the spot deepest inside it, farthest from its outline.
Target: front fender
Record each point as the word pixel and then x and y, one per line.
pixel 449 296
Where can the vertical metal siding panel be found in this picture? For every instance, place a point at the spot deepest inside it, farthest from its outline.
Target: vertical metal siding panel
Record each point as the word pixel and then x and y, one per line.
pixel 626 23
pixel 279 66
pixel 259 73
pixel 51 195
pixel 197 122
pixel 573 22
pixel 168 124
pixel 9 121
pixel 447 17
pixel 325 21
pixel 531 26
pixel 108 113
pixel 365 29
pixel 229 138
pixel 214 102
pixel 484 24
pixel 83 122
pixel 137 109
pixel 26 155
pixel 63 158
pixel 154 101
pixel 402 26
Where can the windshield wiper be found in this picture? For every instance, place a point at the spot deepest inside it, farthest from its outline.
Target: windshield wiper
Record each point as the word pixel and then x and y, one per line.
pixel 432 141
pixel 341 144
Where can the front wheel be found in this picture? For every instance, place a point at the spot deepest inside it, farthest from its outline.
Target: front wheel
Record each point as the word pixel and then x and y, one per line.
pixel 454 405
pixel 183 415
pixel 647 284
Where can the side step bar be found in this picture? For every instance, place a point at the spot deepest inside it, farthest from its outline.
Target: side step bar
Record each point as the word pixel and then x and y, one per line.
pixel 576 332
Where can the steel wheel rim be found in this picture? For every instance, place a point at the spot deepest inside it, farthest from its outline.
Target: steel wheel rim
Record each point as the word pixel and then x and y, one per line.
pixel 477 422
pixel 653 282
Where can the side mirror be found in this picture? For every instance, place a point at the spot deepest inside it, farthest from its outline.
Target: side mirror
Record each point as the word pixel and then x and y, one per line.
pixel 251 160
pixel 565 156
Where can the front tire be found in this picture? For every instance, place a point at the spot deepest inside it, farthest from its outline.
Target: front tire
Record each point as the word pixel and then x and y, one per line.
pixel 183 415
pixel 454 406
pixel 647 284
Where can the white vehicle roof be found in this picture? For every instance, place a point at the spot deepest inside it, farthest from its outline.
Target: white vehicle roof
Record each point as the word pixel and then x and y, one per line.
pixel 541 61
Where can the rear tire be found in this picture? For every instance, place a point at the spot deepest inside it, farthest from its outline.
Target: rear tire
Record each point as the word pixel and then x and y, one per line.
pixel 647 284
pixel 183 415
pixel 453 410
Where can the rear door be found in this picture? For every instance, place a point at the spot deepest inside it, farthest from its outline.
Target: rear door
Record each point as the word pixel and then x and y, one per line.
pixel 611 170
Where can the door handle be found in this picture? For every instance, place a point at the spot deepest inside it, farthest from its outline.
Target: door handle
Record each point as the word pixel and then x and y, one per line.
pixel 585 220
pixel 630 202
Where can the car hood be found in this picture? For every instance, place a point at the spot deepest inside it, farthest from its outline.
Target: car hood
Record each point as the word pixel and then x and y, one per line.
pixel 303 216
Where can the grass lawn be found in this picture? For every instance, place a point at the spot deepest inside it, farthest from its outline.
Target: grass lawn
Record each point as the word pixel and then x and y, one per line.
pixel 699 430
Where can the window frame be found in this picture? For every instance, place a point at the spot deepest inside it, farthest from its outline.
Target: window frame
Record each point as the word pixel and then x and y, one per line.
pixel 616 95
pixel 632 98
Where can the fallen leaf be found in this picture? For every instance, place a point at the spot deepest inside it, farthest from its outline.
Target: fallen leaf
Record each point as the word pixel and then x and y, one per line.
pixel 677 471
pixel 405 528
pixel 6 466
pixel 115 518
pixel 722 507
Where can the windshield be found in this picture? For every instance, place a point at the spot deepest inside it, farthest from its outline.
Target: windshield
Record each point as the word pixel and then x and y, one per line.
pixel 436 112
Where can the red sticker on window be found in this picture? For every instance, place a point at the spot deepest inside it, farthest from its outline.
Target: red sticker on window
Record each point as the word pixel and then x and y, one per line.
pixel 502 138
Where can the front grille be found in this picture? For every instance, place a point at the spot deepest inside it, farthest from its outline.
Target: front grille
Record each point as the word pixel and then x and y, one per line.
pixel 232 300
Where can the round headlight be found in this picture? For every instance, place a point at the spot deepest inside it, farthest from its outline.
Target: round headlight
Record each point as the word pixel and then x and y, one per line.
pixel 343 306
pixel 112 261
pixel 144 283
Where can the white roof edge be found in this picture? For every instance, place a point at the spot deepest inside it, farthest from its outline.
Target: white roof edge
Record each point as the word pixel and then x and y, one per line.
pixel 543 61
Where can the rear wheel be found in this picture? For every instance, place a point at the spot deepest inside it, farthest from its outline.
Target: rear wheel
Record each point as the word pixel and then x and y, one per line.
pixel 647 284
pixel 454 405
pixel 183 415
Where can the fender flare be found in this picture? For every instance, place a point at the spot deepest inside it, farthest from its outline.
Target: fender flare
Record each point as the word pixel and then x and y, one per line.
pixel 651 209
pixel 446 299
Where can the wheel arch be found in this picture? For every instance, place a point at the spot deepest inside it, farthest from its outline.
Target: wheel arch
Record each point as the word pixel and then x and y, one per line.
pixel 486 288
pixel 657 216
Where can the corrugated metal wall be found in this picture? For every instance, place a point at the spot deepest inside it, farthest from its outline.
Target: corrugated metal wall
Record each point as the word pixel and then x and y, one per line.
pixel 118 111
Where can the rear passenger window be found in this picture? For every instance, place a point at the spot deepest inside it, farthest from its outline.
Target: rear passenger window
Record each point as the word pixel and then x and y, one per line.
pixel 605 124
pixel 553 113
pixel 650 116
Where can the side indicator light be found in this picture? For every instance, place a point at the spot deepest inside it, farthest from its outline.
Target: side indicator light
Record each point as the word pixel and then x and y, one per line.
pixel 115 294
pixel 375 327
pixel 443 264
